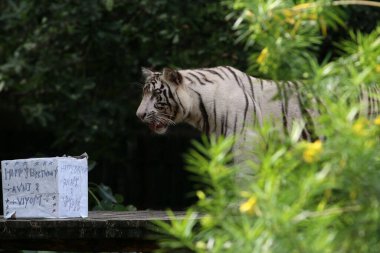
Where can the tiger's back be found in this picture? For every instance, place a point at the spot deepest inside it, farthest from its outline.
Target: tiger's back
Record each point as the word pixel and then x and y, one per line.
pixel 222 101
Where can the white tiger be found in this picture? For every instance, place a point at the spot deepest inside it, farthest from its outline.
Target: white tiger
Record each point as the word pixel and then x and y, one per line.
pixel 224 101
pixel 220 101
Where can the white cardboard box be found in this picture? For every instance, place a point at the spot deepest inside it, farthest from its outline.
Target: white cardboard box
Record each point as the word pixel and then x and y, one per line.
pixel 55 187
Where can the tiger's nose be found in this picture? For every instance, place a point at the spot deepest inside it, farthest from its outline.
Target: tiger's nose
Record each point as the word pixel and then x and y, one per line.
pixel 141 115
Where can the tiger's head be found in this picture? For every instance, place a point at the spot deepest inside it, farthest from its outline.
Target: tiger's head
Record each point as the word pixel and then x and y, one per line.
pixel 159 107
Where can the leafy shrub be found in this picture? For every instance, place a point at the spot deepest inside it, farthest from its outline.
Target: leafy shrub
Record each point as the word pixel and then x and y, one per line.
pixel 319 196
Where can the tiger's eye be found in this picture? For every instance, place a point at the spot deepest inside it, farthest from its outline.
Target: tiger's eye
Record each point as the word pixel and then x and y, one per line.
pixel 156 92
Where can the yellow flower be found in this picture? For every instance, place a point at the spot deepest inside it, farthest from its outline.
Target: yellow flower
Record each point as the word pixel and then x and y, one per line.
pixel 263 55
pixel 288 13
pixel 248 206
pixel 201 195
pixel 289 16
pixel 377 121
pixel 249 13
pixel 207 221
pixel 312 151
pixel 378 68
pixel 200 245
pixel 359 127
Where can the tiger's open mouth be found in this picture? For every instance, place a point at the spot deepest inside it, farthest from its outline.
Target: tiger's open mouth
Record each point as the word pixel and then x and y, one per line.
pixel 157 127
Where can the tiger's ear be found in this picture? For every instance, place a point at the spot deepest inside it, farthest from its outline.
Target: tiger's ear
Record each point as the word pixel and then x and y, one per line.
pixel 172 76
pixel 146 73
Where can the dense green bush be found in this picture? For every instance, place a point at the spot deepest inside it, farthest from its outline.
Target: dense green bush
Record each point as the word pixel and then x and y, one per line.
pixel 320 196
pixel 70 70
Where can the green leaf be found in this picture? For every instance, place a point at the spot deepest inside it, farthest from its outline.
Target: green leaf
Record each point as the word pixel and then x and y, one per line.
pixel 108 4
pixel 105 193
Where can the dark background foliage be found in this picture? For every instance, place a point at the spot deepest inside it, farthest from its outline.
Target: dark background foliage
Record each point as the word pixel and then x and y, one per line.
pixel 70 83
